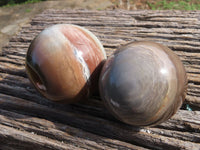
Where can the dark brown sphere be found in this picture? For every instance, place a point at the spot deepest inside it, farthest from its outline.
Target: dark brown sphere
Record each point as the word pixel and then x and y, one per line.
pixel 143 83
pixel 64 61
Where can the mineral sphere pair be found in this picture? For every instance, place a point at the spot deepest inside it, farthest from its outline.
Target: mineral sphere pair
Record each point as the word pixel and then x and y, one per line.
pixel 142 83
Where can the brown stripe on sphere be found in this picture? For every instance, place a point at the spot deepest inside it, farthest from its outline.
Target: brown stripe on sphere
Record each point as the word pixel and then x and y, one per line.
pixel 91 50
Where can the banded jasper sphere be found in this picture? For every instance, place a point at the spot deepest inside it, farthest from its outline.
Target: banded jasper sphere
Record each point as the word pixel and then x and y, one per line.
pixel 143 83
pixel 63 62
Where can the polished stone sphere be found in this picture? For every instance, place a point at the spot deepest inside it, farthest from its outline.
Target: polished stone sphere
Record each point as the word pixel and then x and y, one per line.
pixel 143 83
pixel 64 61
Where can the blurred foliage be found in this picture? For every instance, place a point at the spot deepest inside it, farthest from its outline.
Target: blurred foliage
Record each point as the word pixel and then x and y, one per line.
pixel 128 4
pixel 14 2
pixel 156 4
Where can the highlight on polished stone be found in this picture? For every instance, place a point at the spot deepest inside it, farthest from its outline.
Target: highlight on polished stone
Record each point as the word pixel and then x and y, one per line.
pixel 143 83
pixel 64 61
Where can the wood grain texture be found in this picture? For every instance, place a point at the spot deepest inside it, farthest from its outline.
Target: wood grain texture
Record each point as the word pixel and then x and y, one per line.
pixel 27 120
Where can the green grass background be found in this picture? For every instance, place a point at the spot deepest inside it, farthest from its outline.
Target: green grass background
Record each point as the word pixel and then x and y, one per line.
pixel 154 5
pixel 177 5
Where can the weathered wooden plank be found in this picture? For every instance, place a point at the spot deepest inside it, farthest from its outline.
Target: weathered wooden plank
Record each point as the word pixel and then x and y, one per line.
pixel 154 137
pixel 67 137
pixel 115 36
pixel 13 138
pixel 178 30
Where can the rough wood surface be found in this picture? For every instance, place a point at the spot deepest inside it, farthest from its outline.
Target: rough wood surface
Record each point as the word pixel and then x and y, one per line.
pixel 28 120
